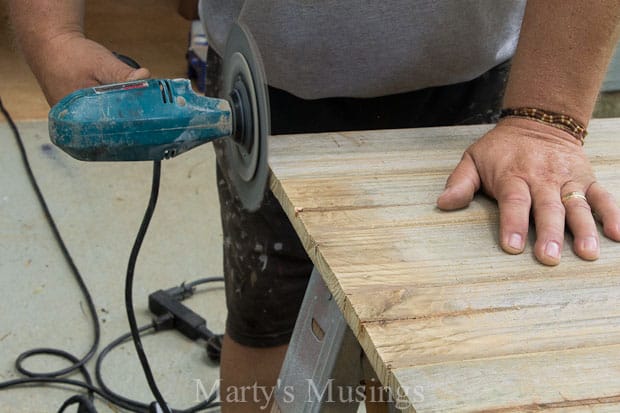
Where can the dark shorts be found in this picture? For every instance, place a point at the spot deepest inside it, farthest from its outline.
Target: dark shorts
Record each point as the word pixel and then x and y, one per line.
pixel 265 266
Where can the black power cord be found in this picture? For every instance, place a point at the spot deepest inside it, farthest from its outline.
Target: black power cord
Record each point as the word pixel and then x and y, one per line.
pixel 168 318
pixel 77 363
pixel 131 317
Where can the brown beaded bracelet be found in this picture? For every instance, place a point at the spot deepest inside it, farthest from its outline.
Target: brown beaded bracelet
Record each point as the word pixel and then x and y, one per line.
pixel 556 120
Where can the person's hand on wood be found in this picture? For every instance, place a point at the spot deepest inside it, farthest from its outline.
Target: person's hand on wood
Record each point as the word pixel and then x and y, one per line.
pixel 528 166
pixel 535 164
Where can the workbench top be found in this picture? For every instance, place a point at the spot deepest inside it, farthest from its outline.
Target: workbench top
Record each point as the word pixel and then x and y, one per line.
pixel 438 307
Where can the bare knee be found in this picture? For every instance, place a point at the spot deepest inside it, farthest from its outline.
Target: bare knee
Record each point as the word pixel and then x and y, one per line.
pixel 248 376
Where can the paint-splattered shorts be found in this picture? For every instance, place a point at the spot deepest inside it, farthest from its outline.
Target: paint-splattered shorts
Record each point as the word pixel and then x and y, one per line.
pixel 265 266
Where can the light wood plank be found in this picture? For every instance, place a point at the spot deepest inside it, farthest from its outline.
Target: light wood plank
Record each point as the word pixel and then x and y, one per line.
pixel 573 378
pixel 430 295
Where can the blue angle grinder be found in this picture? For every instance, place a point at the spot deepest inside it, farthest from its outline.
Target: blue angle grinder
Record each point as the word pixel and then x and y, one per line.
pixel 155 119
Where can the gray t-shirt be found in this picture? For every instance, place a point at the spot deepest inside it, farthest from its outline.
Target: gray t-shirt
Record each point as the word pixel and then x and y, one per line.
pixel 366 48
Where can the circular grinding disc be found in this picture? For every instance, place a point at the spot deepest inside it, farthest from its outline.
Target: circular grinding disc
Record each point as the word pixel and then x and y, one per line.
pixel 244 85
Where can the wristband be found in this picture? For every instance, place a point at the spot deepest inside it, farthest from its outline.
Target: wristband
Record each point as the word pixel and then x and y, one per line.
pixel 557 120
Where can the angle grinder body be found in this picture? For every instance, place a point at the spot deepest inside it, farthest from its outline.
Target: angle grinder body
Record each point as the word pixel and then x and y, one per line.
pixel 146 120
pixel 155 119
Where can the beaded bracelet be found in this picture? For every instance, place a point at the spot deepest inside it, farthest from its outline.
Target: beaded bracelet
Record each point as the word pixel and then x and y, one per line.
pixel 556 120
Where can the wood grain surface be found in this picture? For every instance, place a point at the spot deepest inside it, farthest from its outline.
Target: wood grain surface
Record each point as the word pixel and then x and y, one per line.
pixel 444 315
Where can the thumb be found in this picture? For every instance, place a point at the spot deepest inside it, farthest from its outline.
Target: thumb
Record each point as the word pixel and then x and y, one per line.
pixel 113 70
pixel 461 185
pixel 137 74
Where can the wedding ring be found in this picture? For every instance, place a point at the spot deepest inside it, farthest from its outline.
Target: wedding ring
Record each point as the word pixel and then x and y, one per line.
pixel 574 195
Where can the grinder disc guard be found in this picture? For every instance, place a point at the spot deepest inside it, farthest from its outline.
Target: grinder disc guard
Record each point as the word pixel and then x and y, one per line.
pixel 244 86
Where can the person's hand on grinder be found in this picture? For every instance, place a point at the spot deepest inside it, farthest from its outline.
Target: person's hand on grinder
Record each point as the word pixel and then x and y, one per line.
pixel 50 35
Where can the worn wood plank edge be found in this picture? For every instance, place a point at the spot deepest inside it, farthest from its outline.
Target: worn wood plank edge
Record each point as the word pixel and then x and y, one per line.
pixel 313 249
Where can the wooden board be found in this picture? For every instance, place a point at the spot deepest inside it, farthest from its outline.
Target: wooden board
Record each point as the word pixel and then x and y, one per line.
pixel 438 307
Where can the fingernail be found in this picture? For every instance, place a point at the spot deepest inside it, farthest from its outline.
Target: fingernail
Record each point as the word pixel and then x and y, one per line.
pixel 515 241
pixel 590 244
pixel 552 249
